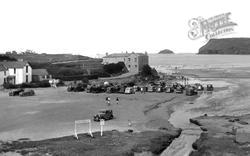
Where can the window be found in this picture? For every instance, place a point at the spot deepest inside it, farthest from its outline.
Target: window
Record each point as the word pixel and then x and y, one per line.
pixel 4 73
pixel 128 59
pixel 27 69
pixel 135 66
pixel 27 78
pixel 135 59
pixel 128 66
pixel 14 70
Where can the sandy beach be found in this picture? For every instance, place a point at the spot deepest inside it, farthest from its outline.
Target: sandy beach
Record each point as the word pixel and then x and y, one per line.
pixel 52 112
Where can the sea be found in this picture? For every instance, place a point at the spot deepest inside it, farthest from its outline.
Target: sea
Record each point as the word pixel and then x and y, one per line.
pixel 163 62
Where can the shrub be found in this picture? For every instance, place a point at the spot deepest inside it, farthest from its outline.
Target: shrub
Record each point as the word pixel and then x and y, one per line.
pixel 10 86
pixel 43 84
pixel 114 68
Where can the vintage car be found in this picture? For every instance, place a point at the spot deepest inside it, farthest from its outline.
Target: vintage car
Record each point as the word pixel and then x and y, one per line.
pixel 179 89
pixel 190 90
pixel 129 90
pixel 105 114
pixel 143 89
pixel 151 88
pixel 79 87
pixel 159 89
pixel 199 87
pixel 210 87
pixel 136 88
pixel 16 92
pixel 169 89
pixel 113 89
pixel 28 92
pixel 95 89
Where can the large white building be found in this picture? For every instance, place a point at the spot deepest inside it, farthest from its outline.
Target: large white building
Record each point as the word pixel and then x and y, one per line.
pixel 15 72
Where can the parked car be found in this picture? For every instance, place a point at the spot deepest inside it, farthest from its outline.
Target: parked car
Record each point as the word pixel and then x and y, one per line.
pixel 159 89
pixel 29 92
pixel 79 87
pixel 129 90
pixel 122 89
pixel 190 91
pixel 16 92
pixel 105 114
pixel 136 88
pixel 179 90
pixel 95 89
pixel 151 88
pixel 169 89
pixel 210 87
pixel 199 87
pixel 113 89
pixel 143 89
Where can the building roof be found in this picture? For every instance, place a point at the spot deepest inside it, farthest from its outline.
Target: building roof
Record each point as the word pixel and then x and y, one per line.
pixel 115 55
pixel 13 64
pixel 139 54
pixel 40 72
pixel 2 68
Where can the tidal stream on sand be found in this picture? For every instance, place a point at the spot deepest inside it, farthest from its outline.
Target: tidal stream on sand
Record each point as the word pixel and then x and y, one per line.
pixel 182 146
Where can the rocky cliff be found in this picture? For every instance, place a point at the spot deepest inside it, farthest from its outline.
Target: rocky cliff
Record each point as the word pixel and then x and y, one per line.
pixel 229 46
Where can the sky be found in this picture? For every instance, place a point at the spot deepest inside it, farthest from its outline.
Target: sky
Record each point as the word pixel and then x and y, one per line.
pixel 94 27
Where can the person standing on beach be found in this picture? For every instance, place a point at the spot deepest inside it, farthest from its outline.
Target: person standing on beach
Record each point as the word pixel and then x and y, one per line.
pixel 117 100
pixel 108 101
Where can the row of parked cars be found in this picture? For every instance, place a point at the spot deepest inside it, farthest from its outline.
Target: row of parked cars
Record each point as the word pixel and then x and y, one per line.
pixel 151 87
pixel 22 92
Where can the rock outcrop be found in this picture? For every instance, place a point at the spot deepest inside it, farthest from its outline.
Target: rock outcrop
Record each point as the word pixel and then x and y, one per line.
pixel 227 46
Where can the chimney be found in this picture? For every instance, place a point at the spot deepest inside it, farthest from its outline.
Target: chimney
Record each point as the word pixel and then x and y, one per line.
pixel 107 54
pixel 146 53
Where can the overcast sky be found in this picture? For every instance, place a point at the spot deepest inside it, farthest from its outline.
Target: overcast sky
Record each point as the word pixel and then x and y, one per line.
pixel 89 27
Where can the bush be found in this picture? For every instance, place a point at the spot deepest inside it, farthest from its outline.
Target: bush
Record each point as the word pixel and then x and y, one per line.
pixel 10 86
pixel 43 84
pixel 114 68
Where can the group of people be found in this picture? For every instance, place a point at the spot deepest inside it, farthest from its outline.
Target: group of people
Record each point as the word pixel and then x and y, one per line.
pixel 108 101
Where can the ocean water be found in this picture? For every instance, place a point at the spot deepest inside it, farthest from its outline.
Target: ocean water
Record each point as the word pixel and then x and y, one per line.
pixel 194 61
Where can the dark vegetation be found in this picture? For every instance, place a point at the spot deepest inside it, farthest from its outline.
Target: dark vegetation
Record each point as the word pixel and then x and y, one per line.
pixel 230 46
pixel 115 68
pixel 148 73
pixel 41 84
pixel 112 143
pixel 6 58
pixel 67 72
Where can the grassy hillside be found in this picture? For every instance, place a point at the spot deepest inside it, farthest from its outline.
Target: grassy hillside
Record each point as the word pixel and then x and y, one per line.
pixel 44 58
pixel 232 46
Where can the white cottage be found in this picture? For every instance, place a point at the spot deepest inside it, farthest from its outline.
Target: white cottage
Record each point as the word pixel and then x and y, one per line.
pixel 17 72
